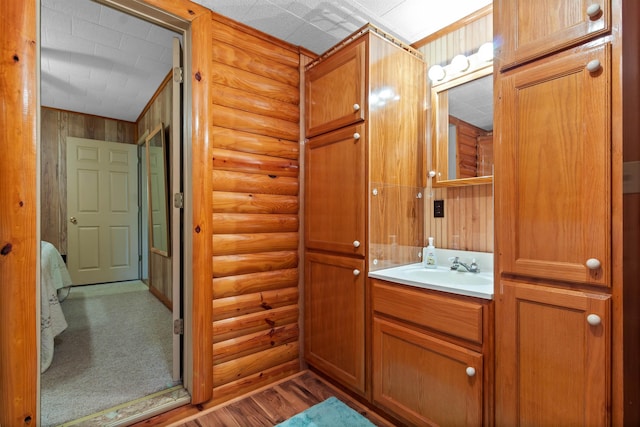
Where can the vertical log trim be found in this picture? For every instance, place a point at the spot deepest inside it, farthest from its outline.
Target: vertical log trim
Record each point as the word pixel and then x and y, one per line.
pixel 18 216
pixel 202 202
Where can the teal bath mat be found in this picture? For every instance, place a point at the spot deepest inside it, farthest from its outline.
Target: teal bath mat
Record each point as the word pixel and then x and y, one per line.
pixel 330 413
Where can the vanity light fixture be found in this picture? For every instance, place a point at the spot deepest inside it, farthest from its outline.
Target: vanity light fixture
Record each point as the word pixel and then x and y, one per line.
pixel 461 64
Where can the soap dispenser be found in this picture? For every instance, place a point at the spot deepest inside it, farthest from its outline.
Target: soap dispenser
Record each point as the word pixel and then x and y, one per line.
pixel 429 258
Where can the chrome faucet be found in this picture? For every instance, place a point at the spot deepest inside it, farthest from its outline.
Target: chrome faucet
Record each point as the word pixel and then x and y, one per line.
pixel 473 268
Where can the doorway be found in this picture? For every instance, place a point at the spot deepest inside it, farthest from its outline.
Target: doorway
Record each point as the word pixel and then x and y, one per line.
pixel 175 168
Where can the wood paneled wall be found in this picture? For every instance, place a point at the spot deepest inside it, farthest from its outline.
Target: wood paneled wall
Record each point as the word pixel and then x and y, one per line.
pixel 468 219
pixel 56 126
pixel 157 111
pixel 255 175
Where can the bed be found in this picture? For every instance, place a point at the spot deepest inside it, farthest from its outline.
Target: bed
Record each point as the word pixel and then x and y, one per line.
pixel 53 278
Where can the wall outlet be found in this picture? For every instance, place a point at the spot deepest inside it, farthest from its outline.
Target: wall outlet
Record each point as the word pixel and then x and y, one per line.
pixel 438 208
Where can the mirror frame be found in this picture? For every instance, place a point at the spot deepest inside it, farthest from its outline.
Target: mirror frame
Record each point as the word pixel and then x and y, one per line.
pixel 155 137
pixel 440 129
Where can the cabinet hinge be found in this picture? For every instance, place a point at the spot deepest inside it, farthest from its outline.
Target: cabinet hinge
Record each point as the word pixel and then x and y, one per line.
pixel 178 200
pixel 177 74
pixel 178 327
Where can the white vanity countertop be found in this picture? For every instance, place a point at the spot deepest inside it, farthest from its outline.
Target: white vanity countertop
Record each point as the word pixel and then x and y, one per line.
pixel 479 285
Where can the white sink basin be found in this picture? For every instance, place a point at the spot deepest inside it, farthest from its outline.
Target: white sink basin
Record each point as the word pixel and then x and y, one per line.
pixel 441 279
pixel 444 276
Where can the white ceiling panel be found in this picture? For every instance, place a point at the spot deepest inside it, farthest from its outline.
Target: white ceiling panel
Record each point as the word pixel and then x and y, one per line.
pixel 100 61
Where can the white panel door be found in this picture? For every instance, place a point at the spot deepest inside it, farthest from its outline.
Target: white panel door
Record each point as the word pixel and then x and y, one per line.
pixel 102 205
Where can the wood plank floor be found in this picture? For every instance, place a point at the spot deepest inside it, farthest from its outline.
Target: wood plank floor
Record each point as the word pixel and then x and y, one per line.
pixel 279 403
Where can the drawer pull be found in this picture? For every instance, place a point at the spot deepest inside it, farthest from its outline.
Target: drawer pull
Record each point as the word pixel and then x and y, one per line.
pixel 356 272
pixel 356 107
pixel 356 244
pixel 594 319
pixel 471 371
pixel 356 136
pixel 593 11
pixel 593 264
pixel 593 66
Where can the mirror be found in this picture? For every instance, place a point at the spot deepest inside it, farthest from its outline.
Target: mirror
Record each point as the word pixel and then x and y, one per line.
pixel 462 129
pixel 157 191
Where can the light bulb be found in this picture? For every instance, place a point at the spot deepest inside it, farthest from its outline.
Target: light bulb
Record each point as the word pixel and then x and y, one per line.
pixel 485 52
pixel 436 73
pixel 460 63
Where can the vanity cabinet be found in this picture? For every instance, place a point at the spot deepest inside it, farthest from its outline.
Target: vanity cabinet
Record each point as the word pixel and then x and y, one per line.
pixel 431 356
pixel 532 29
pixel 356 147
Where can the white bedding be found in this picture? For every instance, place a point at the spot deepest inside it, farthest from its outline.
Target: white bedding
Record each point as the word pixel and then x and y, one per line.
pixel 53 276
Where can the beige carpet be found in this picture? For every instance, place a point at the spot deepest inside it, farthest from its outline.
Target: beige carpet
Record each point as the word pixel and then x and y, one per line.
pixel 117 348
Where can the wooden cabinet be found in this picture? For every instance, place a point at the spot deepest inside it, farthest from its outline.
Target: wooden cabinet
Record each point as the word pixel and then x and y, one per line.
pixel 334 317
pixel 335 93
pixel 552 356
pixel 532 29
pixel 337 196
pixel 566 213
pixel 362 178
pixel 553 174
pixel 431 356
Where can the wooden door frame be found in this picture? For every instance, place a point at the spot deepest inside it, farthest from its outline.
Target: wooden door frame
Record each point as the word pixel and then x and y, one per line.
pixel 19 216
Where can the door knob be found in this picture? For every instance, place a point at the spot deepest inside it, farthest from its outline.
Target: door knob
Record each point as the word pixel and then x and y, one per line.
pixel 73 220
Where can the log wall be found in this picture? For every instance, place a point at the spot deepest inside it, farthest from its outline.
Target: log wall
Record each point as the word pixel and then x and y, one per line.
pixel 255 209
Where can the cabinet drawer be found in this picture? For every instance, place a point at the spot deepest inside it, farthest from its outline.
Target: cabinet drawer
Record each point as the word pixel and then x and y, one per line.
pixel 449 315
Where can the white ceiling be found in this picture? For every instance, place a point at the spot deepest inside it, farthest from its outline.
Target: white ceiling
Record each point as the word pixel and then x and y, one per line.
pixel 99 61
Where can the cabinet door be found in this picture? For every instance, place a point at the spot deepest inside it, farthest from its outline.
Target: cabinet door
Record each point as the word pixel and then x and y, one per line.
pixel 552 356
pixel 425 380
pixel 335 196
pixel 334 317
pixel 335 90
pixel 552 171
pixel 531 29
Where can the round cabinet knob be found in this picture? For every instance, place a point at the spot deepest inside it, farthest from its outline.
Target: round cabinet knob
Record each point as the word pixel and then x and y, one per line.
pixel 356 244
pixel 356 135
pixel 593 10
pixel 471 371
pixel 356 272
pixel 432 174
pixel 594 319
pixel 593 66
pixel 593 264
pixel 356 107
pixel 374 191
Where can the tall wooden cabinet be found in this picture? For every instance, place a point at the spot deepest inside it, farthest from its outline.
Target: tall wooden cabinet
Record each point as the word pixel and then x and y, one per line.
pixel 364 103
pixel 558 148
